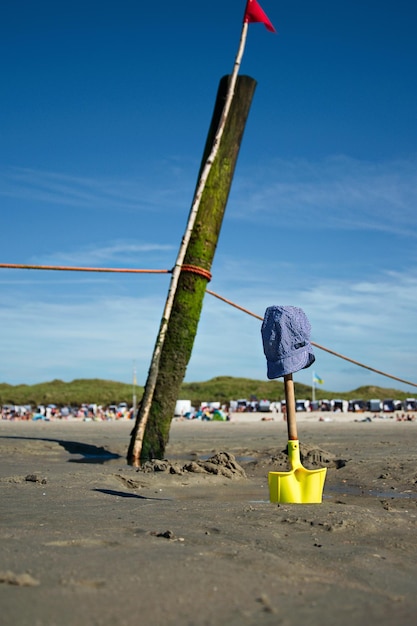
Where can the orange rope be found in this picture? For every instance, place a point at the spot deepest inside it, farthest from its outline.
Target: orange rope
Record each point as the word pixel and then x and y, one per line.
pixel 195 269
pixel 81 269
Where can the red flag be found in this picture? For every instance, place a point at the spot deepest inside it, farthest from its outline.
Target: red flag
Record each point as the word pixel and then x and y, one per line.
pixel 255 13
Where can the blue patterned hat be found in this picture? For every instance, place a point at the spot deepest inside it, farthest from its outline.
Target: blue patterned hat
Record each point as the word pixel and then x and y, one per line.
pixel 286 340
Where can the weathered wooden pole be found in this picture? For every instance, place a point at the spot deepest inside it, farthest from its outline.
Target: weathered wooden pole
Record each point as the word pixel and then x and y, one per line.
pixel 185 314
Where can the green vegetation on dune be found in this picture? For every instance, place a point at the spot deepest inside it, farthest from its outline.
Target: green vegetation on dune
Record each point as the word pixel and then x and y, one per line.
pixel 221 388
pixel 75 393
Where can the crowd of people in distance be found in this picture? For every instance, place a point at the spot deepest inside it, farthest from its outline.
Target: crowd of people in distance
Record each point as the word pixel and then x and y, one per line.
pixel 206 414
pixel 214 411
pixel 86 412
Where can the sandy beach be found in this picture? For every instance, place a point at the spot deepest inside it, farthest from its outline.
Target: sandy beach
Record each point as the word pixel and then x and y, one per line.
pixel 87 540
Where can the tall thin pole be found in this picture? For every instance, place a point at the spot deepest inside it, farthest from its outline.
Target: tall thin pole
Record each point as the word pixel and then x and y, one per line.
pixel 134 404
pixel 146 402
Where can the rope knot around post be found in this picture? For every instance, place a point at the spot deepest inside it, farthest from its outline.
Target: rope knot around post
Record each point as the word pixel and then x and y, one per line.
pixel 195 269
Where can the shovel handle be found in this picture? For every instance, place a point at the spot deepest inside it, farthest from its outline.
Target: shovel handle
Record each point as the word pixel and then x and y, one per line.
pixel 290 405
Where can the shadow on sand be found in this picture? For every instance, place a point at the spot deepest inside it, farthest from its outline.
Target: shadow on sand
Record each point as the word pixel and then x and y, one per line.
pixel 125 494
pixel 88 452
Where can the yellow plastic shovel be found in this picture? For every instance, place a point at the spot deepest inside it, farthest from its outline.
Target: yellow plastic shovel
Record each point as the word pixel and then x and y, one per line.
pixel 300 485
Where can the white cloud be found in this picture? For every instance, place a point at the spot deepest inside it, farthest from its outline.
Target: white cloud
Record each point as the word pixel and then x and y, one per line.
pixel 372 323
pixel 100 336
pixel 88 338
pixel 118 252
pixel 369 317
pixel 95 193
pixel 337 192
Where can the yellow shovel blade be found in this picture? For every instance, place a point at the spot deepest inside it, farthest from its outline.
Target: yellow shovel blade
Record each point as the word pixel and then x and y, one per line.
pixel 299 486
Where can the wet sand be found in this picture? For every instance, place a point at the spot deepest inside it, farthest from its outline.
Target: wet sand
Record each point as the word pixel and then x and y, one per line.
pixel 87 540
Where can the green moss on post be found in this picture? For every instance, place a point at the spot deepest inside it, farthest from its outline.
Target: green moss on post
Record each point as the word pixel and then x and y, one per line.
pixel 189 295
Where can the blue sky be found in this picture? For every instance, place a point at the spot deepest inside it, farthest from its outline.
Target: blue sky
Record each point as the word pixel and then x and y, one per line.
pixel 104 114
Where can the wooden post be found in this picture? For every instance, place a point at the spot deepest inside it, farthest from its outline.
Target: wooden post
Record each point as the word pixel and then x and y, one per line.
pixel 182 325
